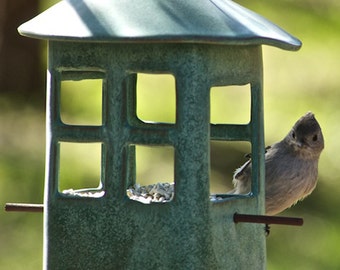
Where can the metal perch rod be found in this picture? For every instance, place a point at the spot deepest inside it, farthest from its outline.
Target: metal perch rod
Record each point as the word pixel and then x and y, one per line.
pixel 24 207
pixel 268 219
pixel 39 208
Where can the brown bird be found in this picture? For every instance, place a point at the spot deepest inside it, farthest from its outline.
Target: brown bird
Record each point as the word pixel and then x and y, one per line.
pixel 291 166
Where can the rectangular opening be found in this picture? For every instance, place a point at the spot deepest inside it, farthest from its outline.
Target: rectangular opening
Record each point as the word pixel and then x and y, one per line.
pixel 154 174
pixel 226 157
pixel 230 104
pixel 156 98
pixel 80 169
pixel 81 101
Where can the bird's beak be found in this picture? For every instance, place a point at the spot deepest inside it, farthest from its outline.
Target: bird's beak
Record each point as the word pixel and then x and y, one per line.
pixel 300 143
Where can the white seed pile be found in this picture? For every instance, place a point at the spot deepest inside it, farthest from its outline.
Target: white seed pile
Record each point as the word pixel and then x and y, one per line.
pixel 215 198
pixel 159 193
pixel 84 193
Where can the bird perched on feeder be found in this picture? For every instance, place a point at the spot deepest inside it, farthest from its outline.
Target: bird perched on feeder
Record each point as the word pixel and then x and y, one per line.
pixel 291 166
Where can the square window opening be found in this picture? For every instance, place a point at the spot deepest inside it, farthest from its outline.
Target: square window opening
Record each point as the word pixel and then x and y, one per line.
pixel 227 158
pixel 81 102
pixel 154 174
pixel 230 104
pixel 80 170
pixel 156 98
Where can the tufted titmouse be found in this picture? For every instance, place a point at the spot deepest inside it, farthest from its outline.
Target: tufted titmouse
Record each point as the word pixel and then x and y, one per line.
pixel 291 166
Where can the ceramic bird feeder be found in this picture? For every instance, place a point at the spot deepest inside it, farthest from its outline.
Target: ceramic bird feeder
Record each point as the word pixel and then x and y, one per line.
pixel 202 44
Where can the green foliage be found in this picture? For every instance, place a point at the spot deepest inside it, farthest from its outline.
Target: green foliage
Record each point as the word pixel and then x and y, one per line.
pixel 21 180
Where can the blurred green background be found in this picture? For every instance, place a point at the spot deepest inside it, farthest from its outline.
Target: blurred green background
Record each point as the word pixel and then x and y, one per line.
pixel 295 82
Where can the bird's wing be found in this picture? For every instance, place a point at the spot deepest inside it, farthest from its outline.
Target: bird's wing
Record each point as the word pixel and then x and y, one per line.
pixel 240 172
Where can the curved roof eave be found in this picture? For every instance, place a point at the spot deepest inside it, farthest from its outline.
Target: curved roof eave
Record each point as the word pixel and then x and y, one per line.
pixel 190 21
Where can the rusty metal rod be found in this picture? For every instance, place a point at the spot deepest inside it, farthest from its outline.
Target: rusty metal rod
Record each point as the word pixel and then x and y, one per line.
pixel 268 219
pixel 24 207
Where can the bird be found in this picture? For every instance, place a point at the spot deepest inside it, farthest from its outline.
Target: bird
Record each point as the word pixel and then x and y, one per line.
pixel 291 167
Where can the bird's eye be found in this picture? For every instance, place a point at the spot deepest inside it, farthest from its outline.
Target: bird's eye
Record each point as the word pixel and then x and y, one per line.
pixel 315 138
pixel 293 135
